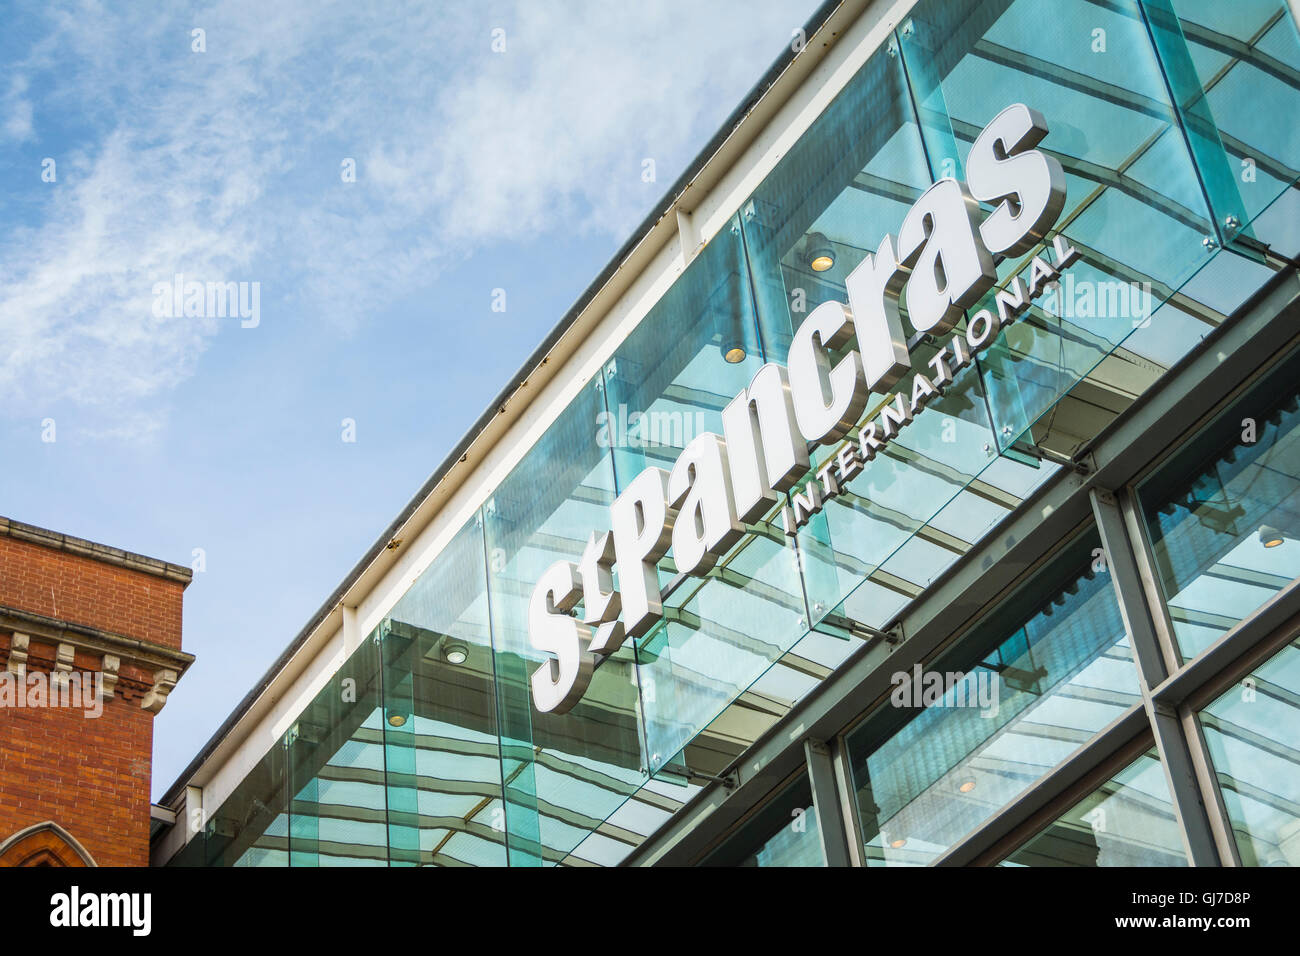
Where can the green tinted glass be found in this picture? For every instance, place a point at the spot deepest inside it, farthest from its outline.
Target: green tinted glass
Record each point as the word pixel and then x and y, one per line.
pixel 1223 513
pixel 1134 210
pixel 1022 691
pixel 563 773
pixel 440 719
pixel 1253 735
pixel 1127 821
pixel 336 764
pixel 251 828
pixel 667 384
pixel 783 833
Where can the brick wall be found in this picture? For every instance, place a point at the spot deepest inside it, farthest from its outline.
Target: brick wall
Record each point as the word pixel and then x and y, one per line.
pixel 82 590
pixel 91 775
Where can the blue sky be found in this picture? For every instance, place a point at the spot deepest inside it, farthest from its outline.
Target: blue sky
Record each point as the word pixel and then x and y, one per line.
pixel 475 170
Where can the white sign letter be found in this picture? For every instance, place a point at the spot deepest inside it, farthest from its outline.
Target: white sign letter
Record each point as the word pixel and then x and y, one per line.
pixel 560 682
pixel 1028 187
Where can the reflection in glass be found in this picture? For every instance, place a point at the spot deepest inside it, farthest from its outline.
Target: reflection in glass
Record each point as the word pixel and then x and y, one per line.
pixel 336 768
pixel 783 833
pixel 1023 690
pixel 1135 210
pixel 1127 821
pixel 1253 735
pixel 440 722
pixel 1224 513
pixel 251 828
pixel 563 773
pixel 1246 59
pixel 668 382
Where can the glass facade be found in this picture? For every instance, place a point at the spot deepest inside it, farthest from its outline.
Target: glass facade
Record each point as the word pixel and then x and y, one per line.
pixel 1030 684
pixel 1224 514
pixel 424 748
pixel 783 833
pixel 1253 735
pixel 1127 821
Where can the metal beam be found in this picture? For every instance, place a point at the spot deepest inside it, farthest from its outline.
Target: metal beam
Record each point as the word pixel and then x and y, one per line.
pixel 1236 653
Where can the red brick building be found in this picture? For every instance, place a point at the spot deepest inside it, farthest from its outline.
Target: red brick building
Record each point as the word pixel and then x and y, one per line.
pixel 90 647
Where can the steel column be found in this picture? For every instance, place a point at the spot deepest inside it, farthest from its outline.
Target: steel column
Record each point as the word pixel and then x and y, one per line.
pixel 1175 753
pixel 826 803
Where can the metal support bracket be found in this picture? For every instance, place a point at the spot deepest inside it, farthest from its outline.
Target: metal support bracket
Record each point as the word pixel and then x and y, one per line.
pixel 729 781
pixel 892 636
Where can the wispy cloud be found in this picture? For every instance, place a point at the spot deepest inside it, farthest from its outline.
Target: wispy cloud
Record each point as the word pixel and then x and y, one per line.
pixel 16 110
pixel 225 164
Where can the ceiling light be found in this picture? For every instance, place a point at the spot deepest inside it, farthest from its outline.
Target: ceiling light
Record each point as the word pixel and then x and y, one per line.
pixel 729 318
pixel 899 843
pixel 456 653
pixel 396 718
pixel 966 786
pixel 1270 537
pixel 733 353
pixel 819 253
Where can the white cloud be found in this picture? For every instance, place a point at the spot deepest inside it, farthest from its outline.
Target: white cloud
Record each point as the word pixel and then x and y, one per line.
pixel 225 165
pixel 16 111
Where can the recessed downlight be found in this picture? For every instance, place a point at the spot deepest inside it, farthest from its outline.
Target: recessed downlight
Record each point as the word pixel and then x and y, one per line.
pixel 733 353
pixel 819 253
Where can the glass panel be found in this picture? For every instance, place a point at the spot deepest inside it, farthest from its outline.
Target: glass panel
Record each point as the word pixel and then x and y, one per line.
pixel 1031 683
pixel 693 352
pixel 912 481
pixel 1223 513
pixel 1095 393
pixel 1246 62
pixel 251 828
pixel 192 854
pixel 1253 735
pixel 848 182
pixel 440 717
pixel 1127 821
pixel 782 833
pixel 336 762
pixel 1240 20
pixel 1134 208
pixel 937 544
pixel 1218 179
pixel 669 381
pixel 563 773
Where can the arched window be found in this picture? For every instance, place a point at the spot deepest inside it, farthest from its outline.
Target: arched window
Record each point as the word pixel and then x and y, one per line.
pixel 44 844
